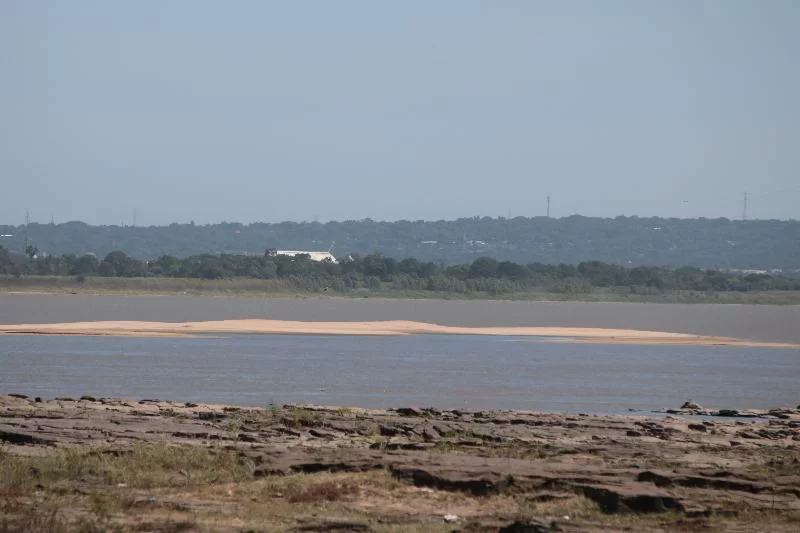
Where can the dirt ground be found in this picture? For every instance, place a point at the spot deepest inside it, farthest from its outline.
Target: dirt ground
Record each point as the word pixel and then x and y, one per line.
pixel 110 464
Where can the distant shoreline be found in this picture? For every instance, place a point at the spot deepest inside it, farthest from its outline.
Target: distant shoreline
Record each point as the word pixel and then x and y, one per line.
pixel 373 328
pixel 259 289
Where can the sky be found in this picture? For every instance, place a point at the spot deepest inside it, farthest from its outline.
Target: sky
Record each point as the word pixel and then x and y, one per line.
pixel 250 111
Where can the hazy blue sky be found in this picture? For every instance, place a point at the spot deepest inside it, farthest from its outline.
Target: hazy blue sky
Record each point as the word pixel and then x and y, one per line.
pixel 269 111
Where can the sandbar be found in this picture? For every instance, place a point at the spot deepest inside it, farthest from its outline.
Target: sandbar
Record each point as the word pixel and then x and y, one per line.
pixel 374 328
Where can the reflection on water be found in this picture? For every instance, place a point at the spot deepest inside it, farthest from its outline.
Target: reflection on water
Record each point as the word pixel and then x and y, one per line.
pixel 445 371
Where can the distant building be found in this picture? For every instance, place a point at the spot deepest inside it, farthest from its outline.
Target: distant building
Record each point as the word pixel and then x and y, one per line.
pixel 315 256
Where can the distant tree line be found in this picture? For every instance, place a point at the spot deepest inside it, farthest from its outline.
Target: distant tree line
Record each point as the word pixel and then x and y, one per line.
pixel 378 272
pixel 707 243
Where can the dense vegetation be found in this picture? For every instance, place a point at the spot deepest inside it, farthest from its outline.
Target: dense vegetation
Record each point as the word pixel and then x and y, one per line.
pixel 628 241
pixel 378 272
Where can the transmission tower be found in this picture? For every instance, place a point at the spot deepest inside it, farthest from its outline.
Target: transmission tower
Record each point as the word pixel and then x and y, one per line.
pixel 744 207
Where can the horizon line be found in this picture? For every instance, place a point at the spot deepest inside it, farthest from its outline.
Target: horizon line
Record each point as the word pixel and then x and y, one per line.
pixel 395 221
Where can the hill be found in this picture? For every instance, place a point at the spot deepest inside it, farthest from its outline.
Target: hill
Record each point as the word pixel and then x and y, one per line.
pixel 710 243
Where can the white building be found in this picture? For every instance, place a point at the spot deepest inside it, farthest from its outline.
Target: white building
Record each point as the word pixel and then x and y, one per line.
pixel 315 256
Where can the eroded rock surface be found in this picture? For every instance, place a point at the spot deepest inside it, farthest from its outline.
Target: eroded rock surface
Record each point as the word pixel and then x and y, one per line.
pixel 626 464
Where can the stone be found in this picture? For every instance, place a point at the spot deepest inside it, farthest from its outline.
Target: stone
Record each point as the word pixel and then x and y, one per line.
pixel 331 526
pixel 14 437
pixel 410 411
pixel 321 434
pixel 475 483
pixel 430 434
pixel 632 497
pixel 532 525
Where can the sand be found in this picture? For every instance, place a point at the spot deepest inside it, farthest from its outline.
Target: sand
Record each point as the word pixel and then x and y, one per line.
pixel 394 327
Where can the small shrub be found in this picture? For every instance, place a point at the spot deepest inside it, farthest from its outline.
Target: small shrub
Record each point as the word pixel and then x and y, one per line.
pixel 326 491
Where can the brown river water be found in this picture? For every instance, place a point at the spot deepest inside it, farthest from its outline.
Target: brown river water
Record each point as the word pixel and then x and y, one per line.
pixel 474 372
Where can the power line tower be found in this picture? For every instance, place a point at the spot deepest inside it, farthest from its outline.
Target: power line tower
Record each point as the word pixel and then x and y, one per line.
pixel 27 223
pixel 548 206
pixel 744 207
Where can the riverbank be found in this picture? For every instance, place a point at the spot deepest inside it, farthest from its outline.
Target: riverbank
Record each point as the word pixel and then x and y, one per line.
pixel 135 465
pixel 388 327
pixel 264 288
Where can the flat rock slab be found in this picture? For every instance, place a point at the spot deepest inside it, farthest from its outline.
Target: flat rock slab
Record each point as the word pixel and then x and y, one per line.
pixel 626 464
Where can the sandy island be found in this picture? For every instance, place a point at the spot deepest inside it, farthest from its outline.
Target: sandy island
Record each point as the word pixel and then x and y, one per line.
pixel 392 327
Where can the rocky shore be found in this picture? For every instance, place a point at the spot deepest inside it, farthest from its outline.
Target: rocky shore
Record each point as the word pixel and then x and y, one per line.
pixel 151 465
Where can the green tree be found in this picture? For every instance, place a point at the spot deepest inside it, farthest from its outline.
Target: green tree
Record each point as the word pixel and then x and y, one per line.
pixel 483 267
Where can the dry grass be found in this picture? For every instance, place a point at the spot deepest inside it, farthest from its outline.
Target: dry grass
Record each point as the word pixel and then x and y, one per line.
pixel 172 489
pixel 504 451
pixel 141 466
pixel 296 417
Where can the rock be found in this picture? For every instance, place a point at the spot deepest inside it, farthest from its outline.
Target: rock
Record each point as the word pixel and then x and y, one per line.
pixel 64 399
pixel 430 434
pixel 20 396
pixel 418 446
pixel 410 411
pixel 698 427
pixel 657 478
pixel 691 405
pixel 210 415
pixel 633 497
pixel 332 526
pixel 190 404
pixel 529 526
pixel 286 431
pixel 722 480
pixel 321 434
pixel 14 437
pixel 389 431
pixel 727 412
pixel 475 483
pixel 481 455
pixel 88 398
